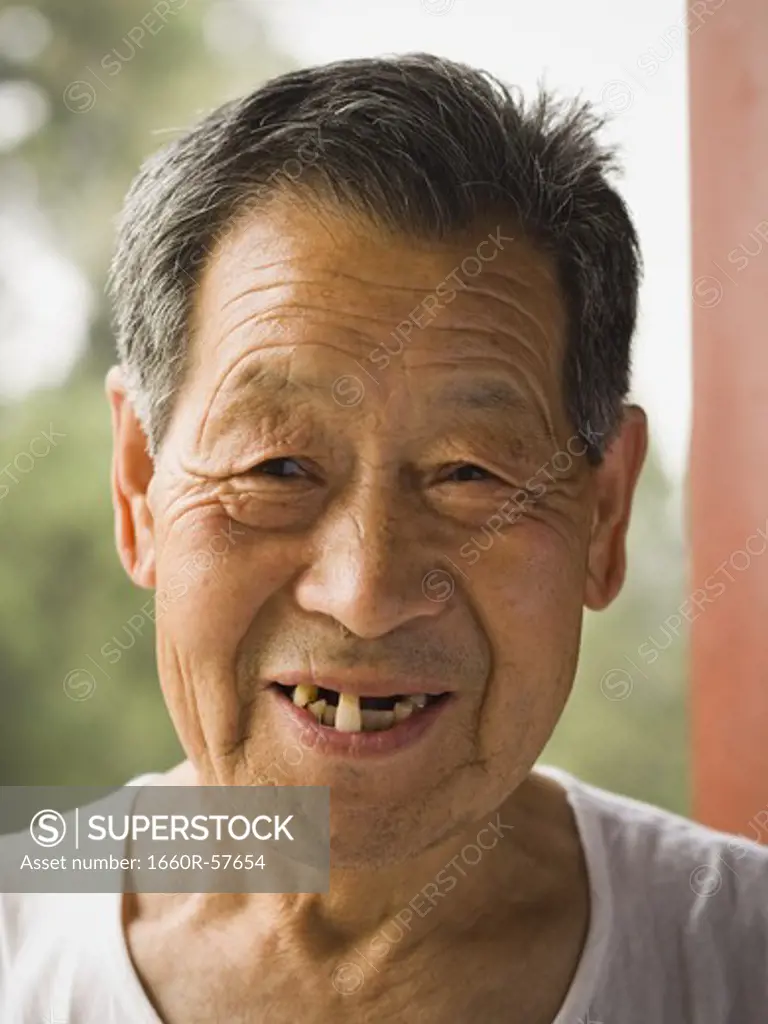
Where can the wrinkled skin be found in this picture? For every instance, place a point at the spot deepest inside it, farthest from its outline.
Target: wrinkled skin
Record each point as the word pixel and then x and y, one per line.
pixel 342 478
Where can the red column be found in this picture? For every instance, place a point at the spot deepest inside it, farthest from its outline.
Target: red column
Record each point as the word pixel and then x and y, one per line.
pixel 728 47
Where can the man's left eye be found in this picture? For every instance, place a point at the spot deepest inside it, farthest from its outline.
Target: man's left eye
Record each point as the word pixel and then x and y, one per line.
pixel 281 468
pixel 468 472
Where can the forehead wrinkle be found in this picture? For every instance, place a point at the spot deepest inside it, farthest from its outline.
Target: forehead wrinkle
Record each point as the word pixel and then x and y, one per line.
pixel 528 315
pixel 319 283
pixel 538 353
pixel 322 282
pixel 335 275
pixel 381 285
pixel 250 290
pixel 253 374
pixel 522 280
pixel 271 322
pixel 295 310
pixel 503 295
pixel 517 304
pixel 497 335
pixel 470 288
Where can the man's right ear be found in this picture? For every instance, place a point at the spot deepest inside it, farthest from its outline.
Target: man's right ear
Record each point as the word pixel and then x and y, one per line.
pixel 132 472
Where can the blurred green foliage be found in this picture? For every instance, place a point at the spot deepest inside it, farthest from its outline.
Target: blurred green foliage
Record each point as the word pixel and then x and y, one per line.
pixel 63 594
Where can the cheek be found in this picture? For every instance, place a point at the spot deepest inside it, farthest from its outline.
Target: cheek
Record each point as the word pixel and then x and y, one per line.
pixel 531 598
pixel 213 577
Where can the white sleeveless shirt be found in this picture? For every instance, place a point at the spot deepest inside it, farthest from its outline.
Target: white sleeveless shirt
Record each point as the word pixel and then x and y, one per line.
pixel 678 930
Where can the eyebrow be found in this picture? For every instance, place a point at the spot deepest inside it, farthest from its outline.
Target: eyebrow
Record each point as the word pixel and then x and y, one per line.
pixel 472 395
pixel 495 395
pixel 270 381
pixel 485 395
pixel 482 395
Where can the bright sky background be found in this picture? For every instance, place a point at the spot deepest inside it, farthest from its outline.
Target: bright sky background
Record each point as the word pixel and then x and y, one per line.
pixel 628 58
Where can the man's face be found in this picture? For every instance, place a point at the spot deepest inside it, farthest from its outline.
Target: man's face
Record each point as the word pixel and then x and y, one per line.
pixel 424 490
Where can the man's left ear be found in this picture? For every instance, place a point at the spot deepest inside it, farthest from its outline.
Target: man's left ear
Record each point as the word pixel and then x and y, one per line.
pixel 615 481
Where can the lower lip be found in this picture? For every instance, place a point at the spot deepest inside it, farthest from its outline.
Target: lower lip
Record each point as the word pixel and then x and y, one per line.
pixel 327 740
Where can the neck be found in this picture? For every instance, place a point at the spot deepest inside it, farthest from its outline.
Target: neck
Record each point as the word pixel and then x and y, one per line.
pixel 494 868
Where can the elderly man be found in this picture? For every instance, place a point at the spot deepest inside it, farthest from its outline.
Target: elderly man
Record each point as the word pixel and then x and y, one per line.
pixel 374 325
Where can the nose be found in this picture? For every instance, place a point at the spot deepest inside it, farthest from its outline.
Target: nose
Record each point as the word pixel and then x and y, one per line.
pixel 370 568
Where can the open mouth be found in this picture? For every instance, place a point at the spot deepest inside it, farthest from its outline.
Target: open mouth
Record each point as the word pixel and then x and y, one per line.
pixel 347 712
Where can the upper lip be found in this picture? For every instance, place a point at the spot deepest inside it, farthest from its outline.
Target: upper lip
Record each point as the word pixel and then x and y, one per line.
pixel 362 685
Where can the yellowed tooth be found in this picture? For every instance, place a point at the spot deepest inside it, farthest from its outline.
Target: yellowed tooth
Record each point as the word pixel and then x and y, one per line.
pixel 317 708
pixel 375 720
pixel 303 694
pixel 329 714
pixel 348 716
pixel 419 699
pixel 402 710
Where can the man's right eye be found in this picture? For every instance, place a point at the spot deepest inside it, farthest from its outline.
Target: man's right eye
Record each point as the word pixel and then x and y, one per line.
pixel 283 468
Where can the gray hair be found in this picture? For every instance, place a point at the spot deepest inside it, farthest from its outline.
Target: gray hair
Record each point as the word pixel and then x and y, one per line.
pixel 419 144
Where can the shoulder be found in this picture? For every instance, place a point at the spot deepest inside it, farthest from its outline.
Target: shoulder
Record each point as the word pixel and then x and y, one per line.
pixel 663 847
pixel 47 940
pixel 679 911
pixel 39 931
pixel 683 903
